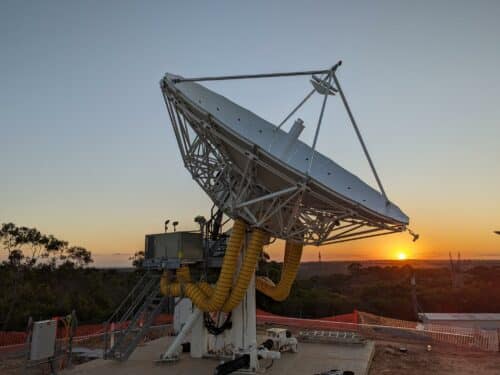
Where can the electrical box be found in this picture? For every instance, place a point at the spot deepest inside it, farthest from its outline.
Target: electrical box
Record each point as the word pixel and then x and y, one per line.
pixel 181 246
pixel 43 339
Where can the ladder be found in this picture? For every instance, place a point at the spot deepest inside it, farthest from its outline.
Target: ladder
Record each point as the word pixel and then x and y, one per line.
pixel 140 308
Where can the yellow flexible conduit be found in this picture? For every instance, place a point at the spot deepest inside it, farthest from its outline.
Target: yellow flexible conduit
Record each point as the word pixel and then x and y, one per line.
pixel 196 292
pixel 291 262
pixel 247 269
pixel 225 296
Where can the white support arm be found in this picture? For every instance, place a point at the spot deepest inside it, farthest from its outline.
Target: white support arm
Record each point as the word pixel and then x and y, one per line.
pixel 172 351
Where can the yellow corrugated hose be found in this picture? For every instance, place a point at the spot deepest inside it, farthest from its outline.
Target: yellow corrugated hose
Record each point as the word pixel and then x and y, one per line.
pixel 196 292
pixel 291 262
pixel 225 295
pixel 247 269
pixel 245 274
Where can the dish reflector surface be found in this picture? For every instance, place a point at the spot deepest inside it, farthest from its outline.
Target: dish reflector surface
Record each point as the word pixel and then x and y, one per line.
pixel 249 169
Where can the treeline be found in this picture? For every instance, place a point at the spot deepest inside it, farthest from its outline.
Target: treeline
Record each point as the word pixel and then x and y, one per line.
pixel 386 291
pixel 43 277
pixel 44 292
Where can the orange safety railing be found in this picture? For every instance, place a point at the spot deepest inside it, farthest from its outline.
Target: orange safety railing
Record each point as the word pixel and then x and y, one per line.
pixel 370 325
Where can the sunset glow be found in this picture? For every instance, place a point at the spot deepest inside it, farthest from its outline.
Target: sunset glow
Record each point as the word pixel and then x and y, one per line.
pixel 116 173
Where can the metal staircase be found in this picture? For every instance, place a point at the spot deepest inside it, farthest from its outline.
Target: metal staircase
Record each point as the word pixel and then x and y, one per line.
pixel 140 308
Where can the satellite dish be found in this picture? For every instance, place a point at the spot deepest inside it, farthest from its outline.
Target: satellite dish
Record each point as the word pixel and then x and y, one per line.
pixel 254 170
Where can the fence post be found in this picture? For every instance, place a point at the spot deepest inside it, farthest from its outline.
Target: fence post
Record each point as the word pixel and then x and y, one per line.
pixel 112 338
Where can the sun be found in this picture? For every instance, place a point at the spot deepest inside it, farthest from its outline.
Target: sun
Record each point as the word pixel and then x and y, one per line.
pixel 402 255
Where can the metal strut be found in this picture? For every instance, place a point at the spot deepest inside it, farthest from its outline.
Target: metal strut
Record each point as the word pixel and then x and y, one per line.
pixel 329 77
pixel 323 80
pixel 296 108
pixel 360 138
pixel 264 75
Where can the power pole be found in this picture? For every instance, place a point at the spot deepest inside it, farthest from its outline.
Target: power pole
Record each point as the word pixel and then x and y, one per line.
pixel 457 278
pixel 416 306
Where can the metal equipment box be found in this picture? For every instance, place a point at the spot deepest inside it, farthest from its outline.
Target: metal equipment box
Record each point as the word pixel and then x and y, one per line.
pixel 43 340
pixel 182 246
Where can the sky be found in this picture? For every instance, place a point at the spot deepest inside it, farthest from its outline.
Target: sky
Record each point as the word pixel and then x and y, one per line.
pixel 87 152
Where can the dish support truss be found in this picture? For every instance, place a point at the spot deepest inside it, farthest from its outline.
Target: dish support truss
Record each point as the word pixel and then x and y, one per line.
pixel 295 211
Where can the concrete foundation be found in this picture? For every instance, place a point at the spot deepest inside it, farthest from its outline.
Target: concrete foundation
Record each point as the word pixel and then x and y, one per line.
pixel 311 359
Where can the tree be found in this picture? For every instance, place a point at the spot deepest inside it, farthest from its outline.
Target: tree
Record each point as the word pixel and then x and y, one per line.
pixel 54 249
pixel 33 242
pixel 15 258
pixel 79 255
pixel 28 246
pixel 137 259
pixel 8 234
pixel 354 268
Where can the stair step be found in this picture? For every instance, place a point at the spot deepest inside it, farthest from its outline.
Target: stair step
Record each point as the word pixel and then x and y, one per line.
pixel 143 304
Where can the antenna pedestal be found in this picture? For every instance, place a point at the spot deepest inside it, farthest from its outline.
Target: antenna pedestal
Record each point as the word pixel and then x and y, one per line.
pixel 241 339
pixel 237 345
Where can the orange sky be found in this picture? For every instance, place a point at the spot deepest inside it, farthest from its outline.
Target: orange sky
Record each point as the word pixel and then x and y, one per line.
pixel 87 152
pixel 448 216
pixel 114 242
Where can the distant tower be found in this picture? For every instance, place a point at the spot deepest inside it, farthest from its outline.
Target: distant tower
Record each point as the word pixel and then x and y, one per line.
pixel 319 256
pixel 417 309
pixel 457 277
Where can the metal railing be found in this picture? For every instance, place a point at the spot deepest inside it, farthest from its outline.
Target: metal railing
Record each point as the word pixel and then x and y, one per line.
pixel 138 308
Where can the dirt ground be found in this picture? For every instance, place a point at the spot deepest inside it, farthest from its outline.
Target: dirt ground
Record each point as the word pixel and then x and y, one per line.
pixel 388 360
pixel 440 360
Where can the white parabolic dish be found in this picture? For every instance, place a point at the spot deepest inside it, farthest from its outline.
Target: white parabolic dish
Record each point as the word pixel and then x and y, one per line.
pixel 253 170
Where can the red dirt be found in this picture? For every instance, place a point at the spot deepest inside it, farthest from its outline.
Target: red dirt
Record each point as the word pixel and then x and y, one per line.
pixel 440 360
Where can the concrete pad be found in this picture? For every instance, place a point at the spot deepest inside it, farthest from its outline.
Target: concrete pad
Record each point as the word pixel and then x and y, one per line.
pixel 311 359
pixel 315 358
